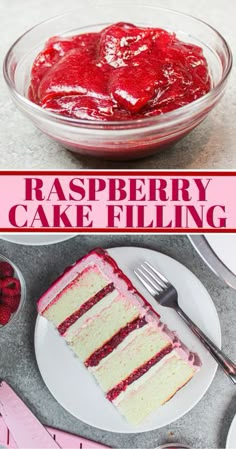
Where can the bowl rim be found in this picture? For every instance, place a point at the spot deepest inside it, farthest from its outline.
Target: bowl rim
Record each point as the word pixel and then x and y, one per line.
pixel 172 117
pixel 19 275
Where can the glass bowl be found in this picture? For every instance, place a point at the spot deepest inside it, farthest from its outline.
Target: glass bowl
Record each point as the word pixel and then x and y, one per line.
pixel 123 140
pixel 18 275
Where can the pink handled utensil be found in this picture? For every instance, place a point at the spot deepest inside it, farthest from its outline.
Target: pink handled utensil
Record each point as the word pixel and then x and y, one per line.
pixel 64 440
pixel 20 429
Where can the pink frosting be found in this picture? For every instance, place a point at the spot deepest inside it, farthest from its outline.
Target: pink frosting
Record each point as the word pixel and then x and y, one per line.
pixel 190 357
pixel 109 268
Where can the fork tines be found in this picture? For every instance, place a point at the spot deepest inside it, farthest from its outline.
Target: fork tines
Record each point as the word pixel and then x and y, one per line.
pixel 151 278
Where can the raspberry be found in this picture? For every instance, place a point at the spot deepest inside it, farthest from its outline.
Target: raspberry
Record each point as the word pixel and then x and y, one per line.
pixel 12 302
pixel 6 270
pixel 10 286
pixel 5 314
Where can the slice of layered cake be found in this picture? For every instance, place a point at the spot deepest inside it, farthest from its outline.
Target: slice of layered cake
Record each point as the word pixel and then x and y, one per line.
pixel 137 361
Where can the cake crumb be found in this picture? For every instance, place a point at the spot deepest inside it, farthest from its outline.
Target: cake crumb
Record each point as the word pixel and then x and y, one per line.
pixel 171 434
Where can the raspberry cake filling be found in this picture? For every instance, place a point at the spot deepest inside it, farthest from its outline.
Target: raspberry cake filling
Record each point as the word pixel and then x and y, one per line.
pixel 156 386
pixel 130 354
pixel 136 360
pixel 112 344
pixel 123 72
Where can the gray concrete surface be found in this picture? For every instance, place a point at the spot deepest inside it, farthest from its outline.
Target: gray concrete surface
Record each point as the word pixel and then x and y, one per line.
pixel 206 426
pixel 210 146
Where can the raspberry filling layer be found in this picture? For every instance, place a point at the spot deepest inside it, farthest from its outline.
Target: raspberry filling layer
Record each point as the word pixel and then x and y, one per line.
pixel 114 392
pixel 85 307
pixel 60 294
pixel 124 72
pixel 112 344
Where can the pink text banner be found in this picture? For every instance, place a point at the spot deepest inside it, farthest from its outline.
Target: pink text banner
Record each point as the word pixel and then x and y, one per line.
pixel 117 201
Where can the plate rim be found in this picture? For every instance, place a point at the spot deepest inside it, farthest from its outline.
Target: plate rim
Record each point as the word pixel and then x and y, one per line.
pixel 231 428
pixel 68 236
pixel 205 251
pixel 137 430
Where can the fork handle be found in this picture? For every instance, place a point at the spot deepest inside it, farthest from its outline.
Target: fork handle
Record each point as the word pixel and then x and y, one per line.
pixel 226 364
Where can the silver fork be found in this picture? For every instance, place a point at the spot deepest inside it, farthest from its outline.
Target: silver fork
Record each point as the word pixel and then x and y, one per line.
pixel 166 295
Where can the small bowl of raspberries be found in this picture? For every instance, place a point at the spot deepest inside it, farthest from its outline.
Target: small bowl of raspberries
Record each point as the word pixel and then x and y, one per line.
pixel 12 291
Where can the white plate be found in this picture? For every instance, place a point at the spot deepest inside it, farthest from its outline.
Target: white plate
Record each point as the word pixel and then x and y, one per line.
pixel 224 245
pixel 36 239
pixel 231 438
pixel 76 390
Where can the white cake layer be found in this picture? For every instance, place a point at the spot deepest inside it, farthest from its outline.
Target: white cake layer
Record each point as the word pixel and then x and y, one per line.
pixel 75 295
pixel 102 327
pixel 95 310
pixel 136 349
pixel 154 388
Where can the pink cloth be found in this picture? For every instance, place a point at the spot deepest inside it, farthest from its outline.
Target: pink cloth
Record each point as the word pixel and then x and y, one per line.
pixel 27 430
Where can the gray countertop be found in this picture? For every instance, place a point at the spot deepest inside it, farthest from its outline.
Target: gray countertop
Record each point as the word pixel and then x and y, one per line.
pixel 210 146
pixel 205 426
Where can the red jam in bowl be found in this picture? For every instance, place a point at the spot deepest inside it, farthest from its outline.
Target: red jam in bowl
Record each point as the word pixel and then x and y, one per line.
pixel 123 72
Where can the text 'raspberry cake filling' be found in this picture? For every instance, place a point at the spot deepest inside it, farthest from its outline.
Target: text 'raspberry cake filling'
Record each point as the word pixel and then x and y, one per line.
pixel 137 361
